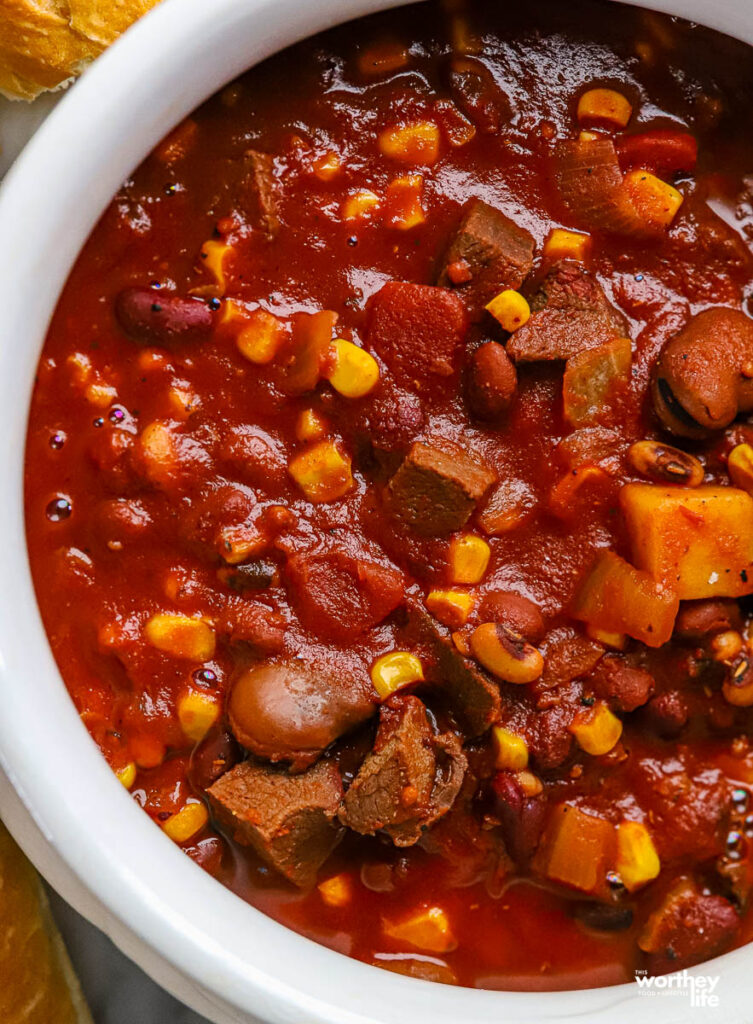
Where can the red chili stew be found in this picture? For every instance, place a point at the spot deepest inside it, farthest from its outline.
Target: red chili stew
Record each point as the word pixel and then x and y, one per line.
pixel 389 491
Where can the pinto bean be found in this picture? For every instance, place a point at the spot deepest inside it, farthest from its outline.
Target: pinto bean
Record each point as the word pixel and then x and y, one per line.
pixel 514 611
pixel 626 686
pixel 159 318
pixel 492 382
pixel 698 619
pixel 704 375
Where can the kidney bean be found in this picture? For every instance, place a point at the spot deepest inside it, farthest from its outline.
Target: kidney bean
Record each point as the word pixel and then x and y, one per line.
pixel 514 611
pixel 161 318
pixel 492 382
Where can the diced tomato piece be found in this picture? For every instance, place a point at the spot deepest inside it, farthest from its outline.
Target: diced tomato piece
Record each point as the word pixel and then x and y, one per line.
pixel 662 151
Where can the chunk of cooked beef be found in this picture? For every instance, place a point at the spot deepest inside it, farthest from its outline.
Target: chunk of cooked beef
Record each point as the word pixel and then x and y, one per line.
pixel 470 691
pixel 475 90
pixel 339 595
pixel 626 686
pixel 289 820
pixel 687 927
pixel 419 331
pixel 409 780
pixel 570 314
pixel 289 710
pixel 493 252
pixel 436 489
pixel 257 196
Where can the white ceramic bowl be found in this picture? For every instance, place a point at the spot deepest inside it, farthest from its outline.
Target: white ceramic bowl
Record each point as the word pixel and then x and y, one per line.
pixel 57 795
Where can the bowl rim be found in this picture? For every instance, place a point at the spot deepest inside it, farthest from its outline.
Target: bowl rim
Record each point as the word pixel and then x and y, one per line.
pixel 243 961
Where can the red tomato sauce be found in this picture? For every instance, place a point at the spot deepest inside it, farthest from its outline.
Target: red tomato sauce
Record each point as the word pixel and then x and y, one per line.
pixel 159 483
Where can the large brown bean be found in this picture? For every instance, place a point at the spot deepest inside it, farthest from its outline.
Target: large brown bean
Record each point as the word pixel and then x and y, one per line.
pixel 162 318
pixel 492 382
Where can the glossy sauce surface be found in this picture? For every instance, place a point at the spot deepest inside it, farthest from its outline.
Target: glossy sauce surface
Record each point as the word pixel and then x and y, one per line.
pixel 111 545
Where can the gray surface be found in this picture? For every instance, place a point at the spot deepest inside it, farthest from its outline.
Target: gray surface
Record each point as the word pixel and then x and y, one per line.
pixel 117 991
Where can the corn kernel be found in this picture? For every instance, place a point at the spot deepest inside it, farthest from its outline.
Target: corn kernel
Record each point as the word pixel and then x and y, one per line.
pixel 127 774
pixel 185 823
pixel 567 245
pixel 451 607
pixel 327 167
pixel 740 467
pixel 360 204
pixel 181 636
pixel 506 654
pixel 183 402
pixel 197 713
pixel 617 641
pixel 416 143
pixel 656 201
pixel 354 372
pixel 260 340
pixel 530 784
pixel 322 472
pixel 213 256
pixel 147 751
pixel 598 731
pixel 604 108
pixel 404 208
pixel 469 558
pixel 428 930
pixel 511 750
pixel 510 309
pixel 637 860
pixel 310 425
pixel 336 891
pixel 395 670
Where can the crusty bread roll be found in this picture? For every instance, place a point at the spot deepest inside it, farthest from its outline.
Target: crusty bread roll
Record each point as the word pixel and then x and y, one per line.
pixel 45 43
pixel 37 983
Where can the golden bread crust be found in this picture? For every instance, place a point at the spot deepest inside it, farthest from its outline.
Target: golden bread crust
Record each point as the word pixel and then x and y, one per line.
pixel 38 984
pixel 45 43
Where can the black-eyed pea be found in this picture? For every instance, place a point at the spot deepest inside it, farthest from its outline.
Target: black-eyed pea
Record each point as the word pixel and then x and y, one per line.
pixel 666 464
pixel 506 654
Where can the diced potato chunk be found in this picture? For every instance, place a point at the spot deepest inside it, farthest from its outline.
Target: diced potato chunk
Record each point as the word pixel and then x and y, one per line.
pixel 403 202
pixel 181 636
pixel 566 245
pixel 415 143
pixel 618 598
pixel 322 472
pixel 577 849
pixel 593 379
pixel 699 540
pixel 427 929
pixel 656 201
pixel 360 204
